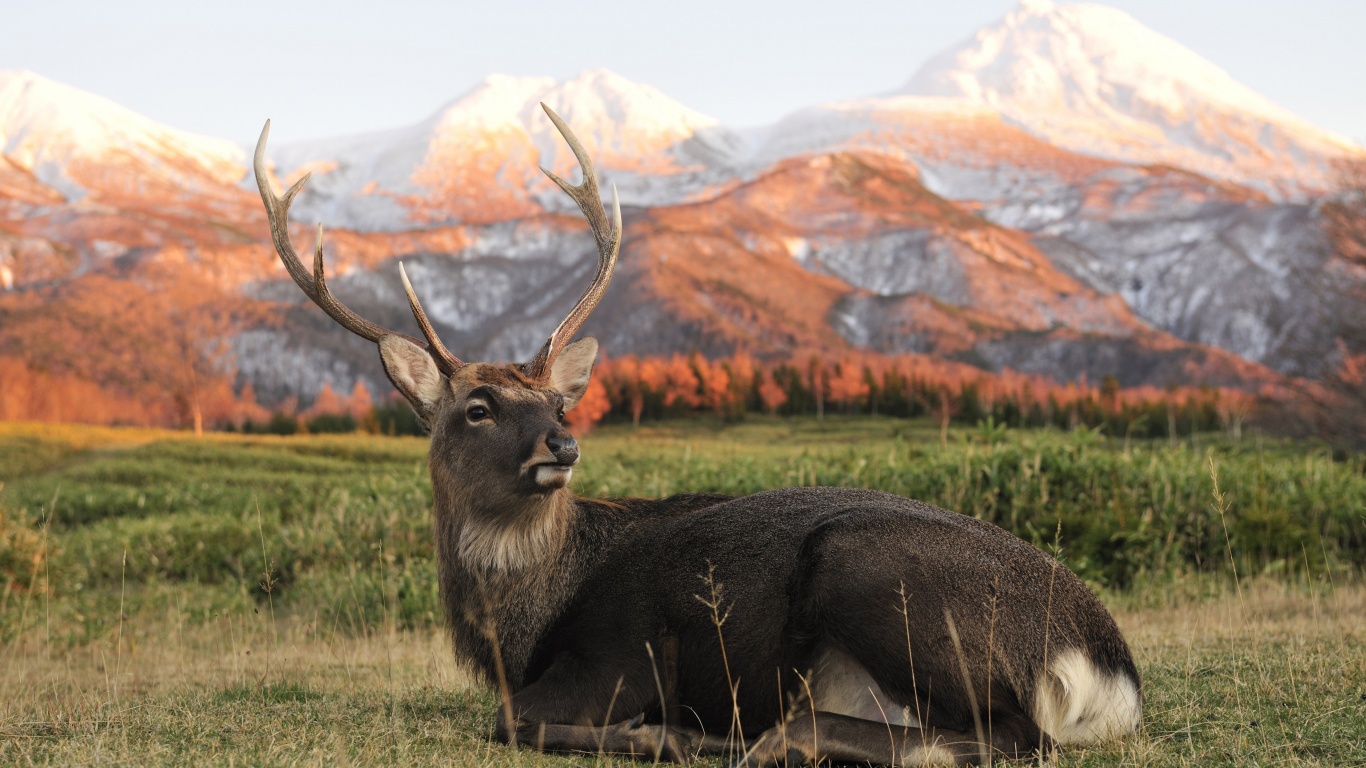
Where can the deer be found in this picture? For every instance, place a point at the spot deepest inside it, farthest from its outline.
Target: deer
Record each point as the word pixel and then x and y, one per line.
pixel 787 626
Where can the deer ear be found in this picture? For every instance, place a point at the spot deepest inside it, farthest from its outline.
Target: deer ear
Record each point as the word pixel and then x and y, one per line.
pixel 413 372
pixel 570 371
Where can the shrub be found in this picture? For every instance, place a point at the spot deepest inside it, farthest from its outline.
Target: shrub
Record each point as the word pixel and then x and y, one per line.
pixel 282 424
pixel 336 423
pixel 23 552
pixel 393 418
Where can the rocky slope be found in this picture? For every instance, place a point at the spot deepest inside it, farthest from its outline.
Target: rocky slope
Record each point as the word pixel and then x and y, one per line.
pixel 1007 213
pixel 819 255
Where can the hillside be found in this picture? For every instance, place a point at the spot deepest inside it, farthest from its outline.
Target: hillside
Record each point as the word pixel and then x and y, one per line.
pixel 1067 193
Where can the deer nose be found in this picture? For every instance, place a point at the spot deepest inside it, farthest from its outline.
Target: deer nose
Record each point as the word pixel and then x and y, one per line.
pixel 565 448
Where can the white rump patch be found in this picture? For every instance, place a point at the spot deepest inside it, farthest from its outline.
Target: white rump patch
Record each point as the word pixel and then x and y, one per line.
pixel 1077 703
pixel 840 685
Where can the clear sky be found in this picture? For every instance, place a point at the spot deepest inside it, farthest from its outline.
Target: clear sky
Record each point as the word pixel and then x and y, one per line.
pixel 329 67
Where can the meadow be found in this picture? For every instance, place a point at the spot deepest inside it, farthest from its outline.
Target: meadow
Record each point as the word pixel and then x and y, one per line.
pixel 272 600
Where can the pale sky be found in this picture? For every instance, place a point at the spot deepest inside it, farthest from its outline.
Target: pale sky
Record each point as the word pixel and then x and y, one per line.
pixel 323 68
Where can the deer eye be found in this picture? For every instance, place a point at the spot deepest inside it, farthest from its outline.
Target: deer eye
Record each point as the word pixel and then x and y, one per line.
pixel 477 413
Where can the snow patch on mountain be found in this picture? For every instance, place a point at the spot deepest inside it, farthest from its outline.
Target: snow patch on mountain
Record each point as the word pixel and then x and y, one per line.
pixel 1093 79
pixel 964 150
pixel 476 159
pixel 847 124
pixel 1199 262
pixel 62 134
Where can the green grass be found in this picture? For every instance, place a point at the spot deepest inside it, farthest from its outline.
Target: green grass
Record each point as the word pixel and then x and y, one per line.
pixel 269 600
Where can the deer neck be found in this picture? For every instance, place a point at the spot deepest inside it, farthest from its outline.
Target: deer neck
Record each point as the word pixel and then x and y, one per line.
pixel 503 573
pixel 496 535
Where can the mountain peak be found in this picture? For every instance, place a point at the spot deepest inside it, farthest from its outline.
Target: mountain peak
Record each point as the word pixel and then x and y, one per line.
pixel 492 138
pixel 50 128
pixel 591 101
pixel 1094 79
pixel 614 107
pixel 35 111
pixel 1079 56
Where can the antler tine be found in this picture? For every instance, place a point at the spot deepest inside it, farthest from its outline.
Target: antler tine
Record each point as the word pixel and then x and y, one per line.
pixel 444 359
pixel 315 286
pixel 608 236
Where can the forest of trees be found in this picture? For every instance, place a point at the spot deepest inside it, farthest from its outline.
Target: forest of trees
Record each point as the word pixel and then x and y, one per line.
pixel 148 350
pixel 641 389
pixel 635 390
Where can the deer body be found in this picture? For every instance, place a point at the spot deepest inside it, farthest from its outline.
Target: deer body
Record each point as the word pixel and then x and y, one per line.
pixel 804 623
pixel 840 587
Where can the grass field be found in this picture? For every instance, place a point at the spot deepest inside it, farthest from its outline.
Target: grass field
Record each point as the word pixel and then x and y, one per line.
pixel 254 600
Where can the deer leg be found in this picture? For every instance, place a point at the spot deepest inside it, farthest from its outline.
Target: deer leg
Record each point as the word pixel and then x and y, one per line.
pixel 559 712
pixel 824 736
pixel 654 742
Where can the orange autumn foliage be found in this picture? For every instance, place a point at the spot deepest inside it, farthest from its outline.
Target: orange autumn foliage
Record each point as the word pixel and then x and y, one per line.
pixel 590 408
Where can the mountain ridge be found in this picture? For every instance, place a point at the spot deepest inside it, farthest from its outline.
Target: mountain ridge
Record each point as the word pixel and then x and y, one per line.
pixel 75 142
pixel 494 137
pixel 910 224
pixel 1093 79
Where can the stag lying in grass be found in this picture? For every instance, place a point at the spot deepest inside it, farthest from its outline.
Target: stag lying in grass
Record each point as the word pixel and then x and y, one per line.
pixel 804 623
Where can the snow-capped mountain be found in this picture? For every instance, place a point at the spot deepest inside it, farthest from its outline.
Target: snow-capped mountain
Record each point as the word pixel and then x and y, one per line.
pixel 965 151
pixel 85 182
pixel 1094 80
pixel 1068 193
pixel 81 144
pixel 493 138
pixel 821 253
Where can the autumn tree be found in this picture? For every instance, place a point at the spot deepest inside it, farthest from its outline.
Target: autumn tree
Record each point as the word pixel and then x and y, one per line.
pixel 771 395
pixel 680 383
pixel 945 409
pixel 159 336
pixel 654 379
pixel 628 385
pixel 1109 392
pixel 590 409
pixel 327 402
pixel 202 318
pixel 744 385
pixel 847 384
pixel 360 403
pixel 714 383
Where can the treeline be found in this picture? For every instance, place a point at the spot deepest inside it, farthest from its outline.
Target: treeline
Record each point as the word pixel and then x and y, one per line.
pixel 147 348
pixel 390 418
pixel 910 386
pixel 187 388
pixel 636 390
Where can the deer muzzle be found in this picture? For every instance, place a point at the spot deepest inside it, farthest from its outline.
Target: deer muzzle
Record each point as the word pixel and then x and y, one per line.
pixel 564 453
pixel 564 448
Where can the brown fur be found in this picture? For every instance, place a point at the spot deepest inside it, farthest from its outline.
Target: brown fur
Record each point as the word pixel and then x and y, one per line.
pixel 567 600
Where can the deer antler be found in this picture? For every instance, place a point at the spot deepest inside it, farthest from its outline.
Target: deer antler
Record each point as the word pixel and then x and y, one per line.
pixel 609 244
pixel 315 286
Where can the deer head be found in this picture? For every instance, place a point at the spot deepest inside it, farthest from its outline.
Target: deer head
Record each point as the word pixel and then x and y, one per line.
pixel 497 429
